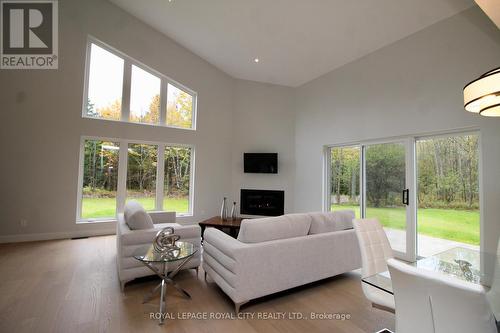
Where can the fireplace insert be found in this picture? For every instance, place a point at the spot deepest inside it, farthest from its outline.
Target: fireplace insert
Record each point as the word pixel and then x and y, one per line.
pixel 262 202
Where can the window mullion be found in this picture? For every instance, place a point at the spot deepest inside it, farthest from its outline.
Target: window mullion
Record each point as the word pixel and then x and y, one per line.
pixel 80 179
pixel 160 175
pixel 362 179
pixel 191 180
pixel 121 194
pixel 127 79
pixel 163 101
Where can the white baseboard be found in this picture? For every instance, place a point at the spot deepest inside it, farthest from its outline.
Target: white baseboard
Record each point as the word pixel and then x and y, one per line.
pixel 54 235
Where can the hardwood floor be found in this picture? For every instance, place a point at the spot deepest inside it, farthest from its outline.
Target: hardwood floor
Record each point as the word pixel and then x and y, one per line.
pixel 72 286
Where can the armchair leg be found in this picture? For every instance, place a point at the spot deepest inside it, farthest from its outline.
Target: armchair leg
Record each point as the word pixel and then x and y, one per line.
pixel 237 306
pixel 205 276
pixel 197 271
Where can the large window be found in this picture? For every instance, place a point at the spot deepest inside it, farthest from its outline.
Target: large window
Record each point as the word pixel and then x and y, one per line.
pixel 105 84
pixel 142 164
pixel 113 171
pixel 100 179
pixel 423 190
pixel 120 88
pixel 179 107
pixel 144 97
pixel 177 180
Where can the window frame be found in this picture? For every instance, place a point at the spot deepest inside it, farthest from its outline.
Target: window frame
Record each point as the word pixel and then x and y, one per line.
pixel 126 89
pixel 121 191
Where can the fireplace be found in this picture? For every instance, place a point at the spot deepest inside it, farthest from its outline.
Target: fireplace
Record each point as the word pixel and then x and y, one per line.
pixel 262 202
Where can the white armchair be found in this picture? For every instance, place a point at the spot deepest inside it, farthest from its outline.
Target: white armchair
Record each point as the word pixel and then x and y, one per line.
pixel 127 242
pixel 429 302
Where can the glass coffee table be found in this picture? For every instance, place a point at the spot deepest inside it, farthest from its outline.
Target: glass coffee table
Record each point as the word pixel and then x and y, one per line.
pixel 159 262
pixel 459 262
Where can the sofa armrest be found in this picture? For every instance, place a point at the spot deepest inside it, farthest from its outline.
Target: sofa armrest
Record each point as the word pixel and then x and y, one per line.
pixel 223 242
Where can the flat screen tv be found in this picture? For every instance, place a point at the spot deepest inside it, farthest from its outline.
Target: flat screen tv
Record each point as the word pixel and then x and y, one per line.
pixel 260 162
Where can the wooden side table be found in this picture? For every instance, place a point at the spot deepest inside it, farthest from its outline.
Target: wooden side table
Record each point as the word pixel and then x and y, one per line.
pixel 217 222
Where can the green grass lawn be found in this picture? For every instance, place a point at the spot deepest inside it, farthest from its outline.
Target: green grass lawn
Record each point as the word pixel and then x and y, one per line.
pixel 457 225
pixel 105 207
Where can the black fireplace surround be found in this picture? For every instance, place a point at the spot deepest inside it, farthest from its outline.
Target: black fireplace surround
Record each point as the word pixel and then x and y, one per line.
pixel 262 202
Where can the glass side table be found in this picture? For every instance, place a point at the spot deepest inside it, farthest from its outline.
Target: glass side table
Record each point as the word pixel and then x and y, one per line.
pixel 158 263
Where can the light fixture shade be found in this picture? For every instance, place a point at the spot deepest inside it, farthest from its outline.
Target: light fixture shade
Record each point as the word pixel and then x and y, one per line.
pixel 483 94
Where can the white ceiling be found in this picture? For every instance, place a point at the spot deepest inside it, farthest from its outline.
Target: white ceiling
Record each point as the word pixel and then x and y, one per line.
pixel 296 41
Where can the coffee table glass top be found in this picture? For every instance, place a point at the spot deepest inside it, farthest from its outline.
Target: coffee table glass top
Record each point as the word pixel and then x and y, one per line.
pixel 147 253
pixel 461 263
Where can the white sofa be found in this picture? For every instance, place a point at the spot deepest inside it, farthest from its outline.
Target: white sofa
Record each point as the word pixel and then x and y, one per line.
pixel 127 242
pixel 275 254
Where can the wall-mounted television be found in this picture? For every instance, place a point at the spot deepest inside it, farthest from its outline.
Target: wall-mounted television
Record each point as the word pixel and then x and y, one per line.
pixel 260 162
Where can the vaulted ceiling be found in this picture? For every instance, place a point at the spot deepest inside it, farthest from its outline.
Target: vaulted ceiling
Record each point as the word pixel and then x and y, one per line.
pixel 295 41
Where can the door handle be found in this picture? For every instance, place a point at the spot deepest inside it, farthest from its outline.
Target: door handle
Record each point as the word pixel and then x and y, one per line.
pixel 406 197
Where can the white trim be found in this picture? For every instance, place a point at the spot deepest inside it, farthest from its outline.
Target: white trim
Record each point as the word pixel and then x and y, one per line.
pixel 55 235
pixel 86 80
pixel 81 160
pixel 192 167
pixel 160 176
pixel 163 101
pixel 327 179
pixel 126 91
pixel 121 188
pixel 463 130
pixel 362 182
pixel 411 209
pixel 482 230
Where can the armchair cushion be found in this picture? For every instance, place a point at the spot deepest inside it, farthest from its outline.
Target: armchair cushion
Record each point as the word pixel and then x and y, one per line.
pixel 136 217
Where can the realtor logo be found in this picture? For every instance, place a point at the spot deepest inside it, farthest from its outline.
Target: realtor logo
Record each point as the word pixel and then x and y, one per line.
pixel 29 34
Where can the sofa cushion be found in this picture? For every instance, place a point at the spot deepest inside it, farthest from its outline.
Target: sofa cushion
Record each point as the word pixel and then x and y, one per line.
pixel 272 228
pixel 136 217
pixel 331 221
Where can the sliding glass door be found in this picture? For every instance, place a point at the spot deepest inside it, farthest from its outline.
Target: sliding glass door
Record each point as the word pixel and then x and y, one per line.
pixel 373 180
pixel 386 193
pixel 448 193
pixel 424 190
pixel 345 179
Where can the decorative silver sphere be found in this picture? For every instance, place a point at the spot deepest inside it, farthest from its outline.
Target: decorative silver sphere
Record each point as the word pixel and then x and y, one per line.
pixel 164 241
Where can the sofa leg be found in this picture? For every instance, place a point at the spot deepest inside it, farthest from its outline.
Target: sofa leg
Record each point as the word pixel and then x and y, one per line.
pixel 197 271
pixel 237 306
pixel 205 276
pixel 122 285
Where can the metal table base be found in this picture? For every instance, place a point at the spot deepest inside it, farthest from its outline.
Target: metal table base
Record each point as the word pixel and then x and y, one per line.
pixel 166 278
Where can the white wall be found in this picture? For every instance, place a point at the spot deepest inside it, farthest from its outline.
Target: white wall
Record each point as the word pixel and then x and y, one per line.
pixel 410 87
pixel 41 123
pixel 263 122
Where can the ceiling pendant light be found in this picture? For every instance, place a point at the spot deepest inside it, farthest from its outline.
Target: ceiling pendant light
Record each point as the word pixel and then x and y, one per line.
pixel 483 94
